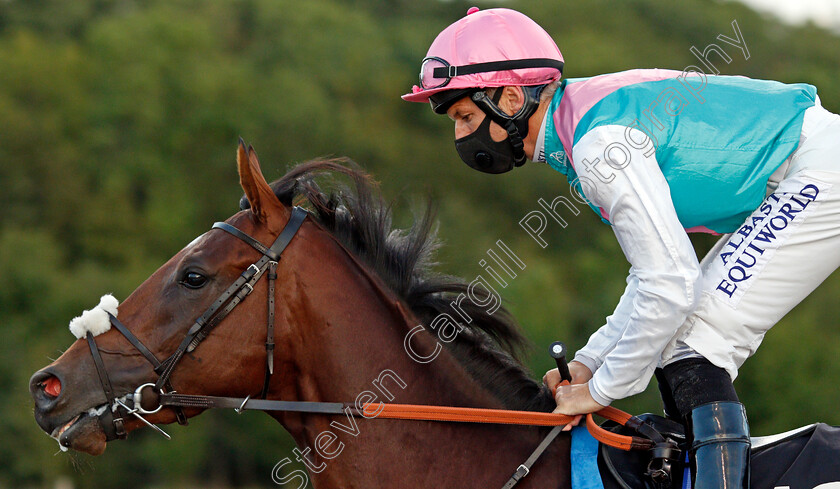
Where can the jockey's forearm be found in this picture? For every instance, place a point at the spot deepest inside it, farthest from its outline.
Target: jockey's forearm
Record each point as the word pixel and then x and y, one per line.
pixel 665 270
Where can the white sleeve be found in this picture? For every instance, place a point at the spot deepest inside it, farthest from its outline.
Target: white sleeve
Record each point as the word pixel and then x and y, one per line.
pixel 632 190
pixel 603 341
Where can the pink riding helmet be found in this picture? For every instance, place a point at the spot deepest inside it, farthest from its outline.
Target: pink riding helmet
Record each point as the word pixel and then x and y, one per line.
pixel 488 48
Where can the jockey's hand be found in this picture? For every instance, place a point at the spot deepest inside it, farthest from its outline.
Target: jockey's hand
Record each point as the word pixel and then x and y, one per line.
pixel 575 400
pixel 580 375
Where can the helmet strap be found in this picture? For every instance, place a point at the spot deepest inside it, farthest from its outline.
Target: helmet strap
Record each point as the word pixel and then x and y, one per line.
pixel 516 125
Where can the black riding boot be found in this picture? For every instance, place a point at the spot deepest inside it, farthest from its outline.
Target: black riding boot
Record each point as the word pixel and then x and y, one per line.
pixel 720 447
pixel 716 422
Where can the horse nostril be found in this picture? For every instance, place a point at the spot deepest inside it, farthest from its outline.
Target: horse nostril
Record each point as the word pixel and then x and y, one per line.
pixel 52 386
pixel 47 383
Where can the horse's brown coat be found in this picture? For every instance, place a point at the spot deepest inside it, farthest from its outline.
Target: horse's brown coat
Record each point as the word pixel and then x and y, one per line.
pixel 338 327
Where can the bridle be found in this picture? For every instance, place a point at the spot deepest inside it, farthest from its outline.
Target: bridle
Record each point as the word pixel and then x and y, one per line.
pixel 112 419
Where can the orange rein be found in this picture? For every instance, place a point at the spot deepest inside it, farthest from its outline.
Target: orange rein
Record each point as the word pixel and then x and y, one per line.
pixel 501 416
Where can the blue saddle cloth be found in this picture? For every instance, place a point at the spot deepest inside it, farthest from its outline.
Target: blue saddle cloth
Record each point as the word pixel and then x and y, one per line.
pixel 585 473
pixel 806 458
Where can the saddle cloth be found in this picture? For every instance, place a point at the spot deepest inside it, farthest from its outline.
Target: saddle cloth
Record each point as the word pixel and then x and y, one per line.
pixel 805 458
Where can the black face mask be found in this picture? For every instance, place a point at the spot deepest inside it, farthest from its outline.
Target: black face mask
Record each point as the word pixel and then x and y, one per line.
pixel 480 152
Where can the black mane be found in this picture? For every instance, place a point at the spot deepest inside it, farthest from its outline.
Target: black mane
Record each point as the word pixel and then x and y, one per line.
pixel 403 258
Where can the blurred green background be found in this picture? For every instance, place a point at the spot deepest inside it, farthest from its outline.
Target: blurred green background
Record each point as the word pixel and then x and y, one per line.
pixel 118 125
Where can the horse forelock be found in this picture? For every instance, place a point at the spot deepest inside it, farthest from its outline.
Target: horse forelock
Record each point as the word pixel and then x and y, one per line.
pixel 359 217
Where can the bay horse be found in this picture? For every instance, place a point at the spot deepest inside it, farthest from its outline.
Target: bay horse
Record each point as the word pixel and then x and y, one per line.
pixel 354 302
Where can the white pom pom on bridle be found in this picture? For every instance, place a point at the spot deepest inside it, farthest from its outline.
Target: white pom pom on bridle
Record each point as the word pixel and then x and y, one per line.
pixel 95 320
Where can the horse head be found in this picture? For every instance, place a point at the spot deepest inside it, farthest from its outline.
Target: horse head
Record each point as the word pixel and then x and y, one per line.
pixel 352 310
pixel 70 402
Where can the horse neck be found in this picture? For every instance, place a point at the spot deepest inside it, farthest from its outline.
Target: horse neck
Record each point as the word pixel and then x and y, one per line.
pixel 352 348
pixel 349 329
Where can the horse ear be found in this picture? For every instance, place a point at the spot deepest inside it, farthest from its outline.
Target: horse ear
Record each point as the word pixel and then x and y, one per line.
pixel 257 190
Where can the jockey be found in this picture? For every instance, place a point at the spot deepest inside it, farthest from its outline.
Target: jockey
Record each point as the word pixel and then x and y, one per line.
pixel 658 154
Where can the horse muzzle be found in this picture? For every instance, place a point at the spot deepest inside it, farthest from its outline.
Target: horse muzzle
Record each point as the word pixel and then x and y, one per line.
pixel 54 413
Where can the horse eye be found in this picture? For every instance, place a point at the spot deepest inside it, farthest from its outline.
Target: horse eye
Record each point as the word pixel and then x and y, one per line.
pixel 194 280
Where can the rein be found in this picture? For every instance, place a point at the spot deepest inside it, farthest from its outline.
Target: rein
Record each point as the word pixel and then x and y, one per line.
pixel 663 451
pixel 112 419
pixel 422 412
